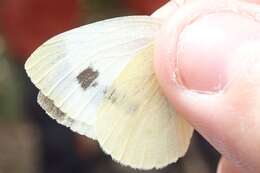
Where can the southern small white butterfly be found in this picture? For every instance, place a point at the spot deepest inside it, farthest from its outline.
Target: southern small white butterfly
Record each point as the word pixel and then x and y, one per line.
pixel 98 80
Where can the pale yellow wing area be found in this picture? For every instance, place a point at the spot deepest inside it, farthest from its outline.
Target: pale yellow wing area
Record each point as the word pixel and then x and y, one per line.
pixel 135 123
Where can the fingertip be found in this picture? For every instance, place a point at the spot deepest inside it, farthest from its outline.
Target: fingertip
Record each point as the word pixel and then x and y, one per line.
pixel 225 115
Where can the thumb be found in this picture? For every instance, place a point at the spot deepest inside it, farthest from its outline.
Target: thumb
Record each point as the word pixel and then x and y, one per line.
pixel 207 60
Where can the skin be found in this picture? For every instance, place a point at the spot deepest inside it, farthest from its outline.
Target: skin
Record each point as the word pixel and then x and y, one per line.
pixel 209 71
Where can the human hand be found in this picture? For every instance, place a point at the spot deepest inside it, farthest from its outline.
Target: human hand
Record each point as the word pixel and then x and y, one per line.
pixel 209 69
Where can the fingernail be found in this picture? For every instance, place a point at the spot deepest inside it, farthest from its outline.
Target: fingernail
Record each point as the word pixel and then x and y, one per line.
pixel 204 50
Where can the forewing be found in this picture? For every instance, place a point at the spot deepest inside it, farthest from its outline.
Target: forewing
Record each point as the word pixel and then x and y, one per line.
pixel 74 69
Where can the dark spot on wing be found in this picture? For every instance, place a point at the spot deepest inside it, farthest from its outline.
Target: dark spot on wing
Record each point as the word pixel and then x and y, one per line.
pixel 48 105
pixel 87 77
pixel 55 112
pixel 112 96
pixel 118 98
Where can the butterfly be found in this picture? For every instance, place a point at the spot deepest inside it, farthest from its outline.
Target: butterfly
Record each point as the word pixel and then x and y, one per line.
pixel 99 81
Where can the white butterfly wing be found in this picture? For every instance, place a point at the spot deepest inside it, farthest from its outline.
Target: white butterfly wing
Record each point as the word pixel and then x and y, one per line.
pixel 135 123
pixel 74 69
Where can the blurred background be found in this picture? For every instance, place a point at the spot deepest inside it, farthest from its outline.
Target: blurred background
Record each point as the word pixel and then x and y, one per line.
pixel 31 142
